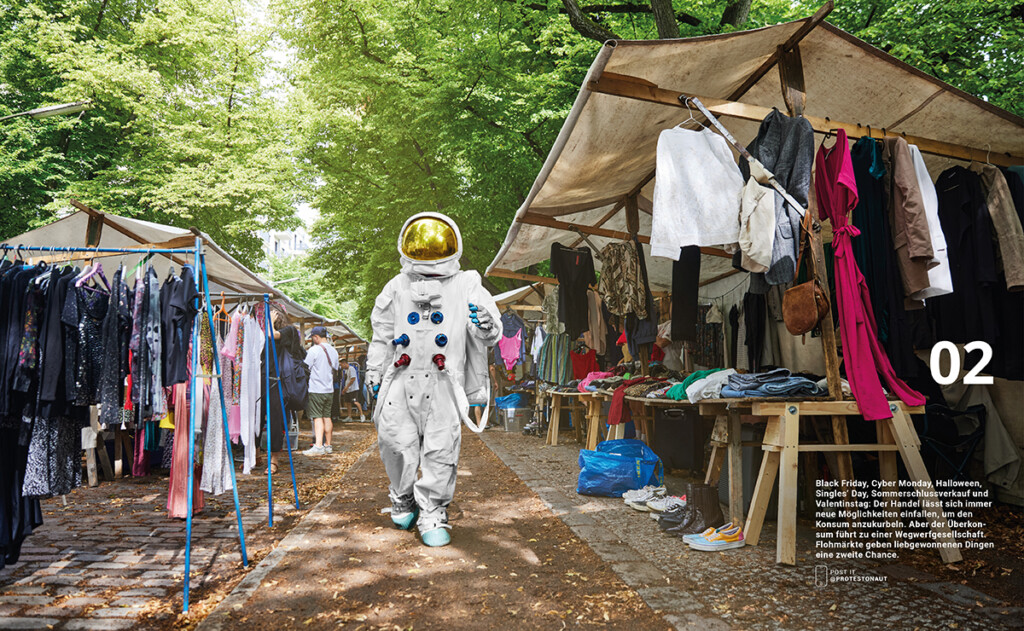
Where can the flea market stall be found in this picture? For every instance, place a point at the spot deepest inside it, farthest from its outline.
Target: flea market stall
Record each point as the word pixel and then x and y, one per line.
pixel 642 188
pixel 170 351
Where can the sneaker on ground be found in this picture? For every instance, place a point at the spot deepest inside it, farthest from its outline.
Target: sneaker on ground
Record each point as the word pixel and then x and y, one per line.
pixel 315 450
pixel 662 504
pixel 362 419
pixel 347 419
pixel 635 494
pixel 328 449
pixel 640 502
pixel 707 533
pixel 719 540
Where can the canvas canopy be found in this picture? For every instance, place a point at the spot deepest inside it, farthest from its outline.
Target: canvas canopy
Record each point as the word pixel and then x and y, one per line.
pixel 528 295
pixel 225 273
pixel 606 149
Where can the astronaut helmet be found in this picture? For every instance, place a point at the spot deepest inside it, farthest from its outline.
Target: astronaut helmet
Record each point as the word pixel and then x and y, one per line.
pixel 430 244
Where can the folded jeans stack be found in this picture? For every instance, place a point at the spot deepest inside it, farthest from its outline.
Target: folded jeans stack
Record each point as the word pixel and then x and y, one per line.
pixel 776 383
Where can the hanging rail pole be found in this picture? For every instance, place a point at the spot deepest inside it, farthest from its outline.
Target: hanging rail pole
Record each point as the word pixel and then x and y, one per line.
pixel 224 412
pixel 40 248
pixel 191 441
pixel 266 407
pixel 284 412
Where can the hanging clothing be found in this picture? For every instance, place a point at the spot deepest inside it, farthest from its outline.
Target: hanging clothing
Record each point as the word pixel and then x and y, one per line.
pixel 706 351
pixel 757 226
pixel 511 324
pixel 877 257
pixel 910 235
pixel 217 463
pixel 785 146
pixel 696 194
pixel 969 312
pixel 177 490
pixel 755 310
pixel 583 363
pixel 249 421
pixel 231 368
pixel 1005 222
pixel 511 349
pixel 574 269
pixel 685 283
pixel 116 333
pixel 621 286
pixel 180 316
pixel 836 191
pixel 84 311
pixel 554 365
pixel 594 336
pixel 552 324
pixel 538 342
pixel 940 282
pixel 642 329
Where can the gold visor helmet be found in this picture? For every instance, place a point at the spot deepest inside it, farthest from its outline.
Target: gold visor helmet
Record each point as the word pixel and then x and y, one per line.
pixel 429 238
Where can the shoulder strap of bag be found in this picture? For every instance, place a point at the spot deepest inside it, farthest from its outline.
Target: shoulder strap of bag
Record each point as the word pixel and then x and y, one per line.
pixel 805 243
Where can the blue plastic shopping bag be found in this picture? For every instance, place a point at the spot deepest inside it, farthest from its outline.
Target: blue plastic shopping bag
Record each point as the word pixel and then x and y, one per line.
pixel 618 466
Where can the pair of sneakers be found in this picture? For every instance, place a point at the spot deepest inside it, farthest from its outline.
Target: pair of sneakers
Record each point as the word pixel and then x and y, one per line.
pixel 318 450
pixel 638 498
pixel 725 537
pixel 662 505
pixel 434 535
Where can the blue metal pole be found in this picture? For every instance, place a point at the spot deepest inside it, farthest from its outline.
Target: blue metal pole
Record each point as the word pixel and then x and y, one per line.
pixel 39 248
pixel 224 412
pixel 191 439
pixel 284 417
pixel 266 406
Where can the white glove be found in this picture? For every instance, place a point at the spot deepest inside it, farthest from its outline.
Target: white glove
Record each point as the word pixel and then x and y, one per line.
pixel 372 379
pixel 480 317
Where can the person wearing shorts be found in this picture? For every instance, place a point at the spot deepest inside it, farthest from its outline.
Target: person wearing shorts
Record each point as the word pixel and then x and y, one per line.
pixel 322 359
pixel 350 391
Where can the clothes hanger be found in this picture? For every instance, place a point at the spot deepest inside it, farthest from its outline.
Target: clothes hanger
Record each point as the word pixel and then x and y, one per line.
pixel 691 118
pixel 222 314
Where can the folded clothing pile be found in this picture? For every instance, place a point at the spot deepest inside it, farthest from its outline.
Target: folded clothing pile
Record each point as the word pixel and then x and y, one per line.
pixel 774 383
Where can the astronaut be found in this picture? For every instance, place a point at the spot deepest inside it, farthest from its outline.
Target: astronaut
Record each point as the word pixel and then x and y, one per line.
pixel 432 325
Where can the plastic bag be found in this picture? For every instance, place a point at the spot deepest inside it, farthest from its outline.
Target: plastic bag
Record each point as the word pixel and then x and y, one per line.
pixel 514 400
pixel 618 466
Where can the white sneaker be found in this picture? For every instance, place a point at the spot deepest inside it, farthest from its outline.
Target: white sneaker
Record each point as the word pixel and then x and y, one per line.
pixel 362 419
pixel 347 419
pixel 314 451
pixel 328 449
pixel 662 504
pixel 640 502
pixel 636 494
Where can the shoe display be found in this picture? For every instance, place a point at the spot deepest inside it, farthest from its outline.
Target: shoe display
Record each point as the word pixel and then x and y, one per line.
pixel 662 504
pixel 720 539
pixel 707 511
pixel 672 521
pixel 315 450
pixel 707 533
pixel 635 494
pixel 639 502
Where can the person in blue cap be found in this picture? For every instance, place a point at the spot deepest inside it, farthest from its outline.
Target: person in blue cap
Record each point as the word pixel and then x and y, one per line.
pixel 427 361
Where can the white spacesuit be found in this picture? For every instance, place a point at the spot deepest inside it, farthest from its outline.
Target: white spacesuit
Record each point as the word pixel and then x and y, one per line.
pixel 432 325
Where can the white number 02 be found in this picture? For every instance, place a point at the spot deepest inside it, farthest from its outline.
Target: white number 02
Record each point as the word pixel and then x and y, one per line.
pixel 972 377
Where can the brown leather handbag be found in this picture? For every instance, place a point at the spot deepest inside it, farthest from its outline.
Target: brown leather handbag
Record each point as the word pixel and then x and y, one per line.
pixel 804 305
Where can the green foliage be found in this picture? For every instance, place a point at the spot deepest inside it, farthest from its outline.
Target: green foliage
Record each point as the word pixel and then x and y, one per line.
pixel 184 130
pixel 308 286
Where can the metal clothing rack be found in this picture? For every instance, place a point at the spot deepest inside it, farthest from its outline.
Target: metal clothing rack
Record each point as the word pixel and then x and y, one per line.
pixel 203 286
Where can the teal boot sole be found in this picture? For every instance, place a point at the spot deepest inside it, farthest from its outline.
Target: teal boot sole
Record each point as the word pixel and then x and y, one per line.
pixel 436 538
pixel 406 520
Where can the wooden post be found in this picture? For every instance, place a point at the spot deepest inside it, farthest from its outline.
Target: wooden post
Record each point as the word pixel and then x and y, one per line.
pixel 887 470
pixel 910 449
pixel 735 454
pixel 791 72
pixel 788 469
pixel 763 486
pixel 632 216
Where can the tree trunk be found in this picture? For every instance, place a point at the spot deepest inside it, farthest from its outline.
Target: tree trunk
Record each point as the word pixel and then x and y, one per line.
pixel 584 25
pixel 736 13
pixel 665 19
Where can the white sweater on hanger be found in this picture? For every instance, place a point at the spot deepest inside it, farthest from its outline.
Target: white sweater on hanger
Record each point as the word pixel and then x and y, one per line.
pixel 697 193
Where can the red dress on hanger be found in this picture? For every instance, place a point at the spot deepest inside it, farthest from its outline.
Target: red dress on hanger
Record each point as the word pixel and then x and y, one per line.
pixel 865 358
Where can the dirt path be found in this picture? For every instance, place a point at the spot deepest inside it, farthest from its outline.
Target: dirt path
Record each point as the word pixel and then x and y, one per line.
pixel 511 564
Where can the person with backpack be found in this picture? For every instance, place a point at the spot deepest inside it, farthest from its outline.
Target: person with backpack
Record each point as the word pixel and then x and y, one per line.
pixel 291 389
pixel 322 359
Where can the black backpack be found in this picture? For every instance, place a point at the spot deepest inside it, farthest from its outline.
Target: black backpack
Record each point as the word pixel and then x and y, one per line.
pixel 294 382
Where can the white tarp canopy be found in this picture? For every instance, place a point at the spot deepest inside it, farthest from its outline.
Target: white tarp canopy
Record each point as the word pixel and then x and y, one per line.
pixel 225 273
pixel 607 146
pixel 528 295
